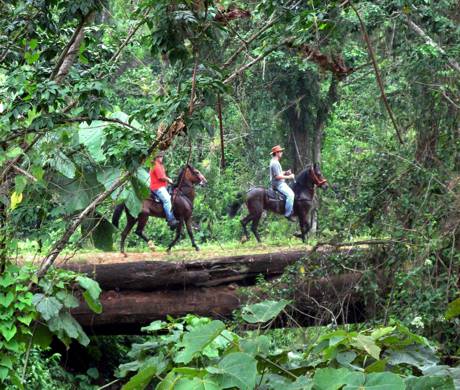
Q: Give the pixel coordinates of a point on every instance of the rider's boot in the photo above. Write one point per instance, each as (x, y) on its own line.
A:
(173, 223)
(291, 218)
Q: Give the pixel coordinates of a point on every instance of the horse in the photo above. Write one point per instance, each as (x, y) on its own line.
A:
(258, 199)
(182, 205)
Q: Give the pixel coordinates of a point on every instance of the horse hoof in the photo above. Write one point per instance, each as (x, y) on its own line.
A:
(244, 239)
(124, 254)
(197, 249)
(151, 246)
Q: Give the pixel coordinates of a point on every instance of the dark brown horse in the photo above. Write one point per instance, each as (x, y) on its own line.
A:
(182, 205)
(259, 199)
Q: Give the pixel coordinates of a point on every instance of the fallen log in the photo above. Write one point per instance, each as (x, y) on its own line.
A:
(155, 275)
(333, 299)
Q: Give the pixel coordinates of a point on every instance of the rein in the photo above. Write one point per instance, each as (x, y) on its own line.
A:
(319, 182)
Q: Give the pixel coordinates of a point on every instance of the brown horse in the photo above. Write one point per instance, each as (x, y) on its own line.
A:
(259, 199)
(182, 204)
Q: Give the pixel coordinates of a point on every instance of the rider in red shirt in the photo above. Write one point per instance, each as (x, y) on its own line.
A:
(158, 183)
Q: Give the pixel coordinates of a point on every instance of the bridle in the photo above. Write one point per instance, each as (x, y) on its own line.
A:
(316, 180)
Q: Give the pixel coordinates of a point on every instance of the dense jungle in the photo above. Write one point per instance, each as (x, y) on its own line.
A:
(364, 98)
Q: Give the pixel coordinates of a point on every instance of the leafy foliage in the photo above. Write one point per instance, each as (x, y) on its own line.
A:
(381, 358)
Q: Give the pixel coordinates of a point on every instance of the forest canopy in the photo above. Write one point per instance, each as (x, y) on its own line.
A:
(92, 90)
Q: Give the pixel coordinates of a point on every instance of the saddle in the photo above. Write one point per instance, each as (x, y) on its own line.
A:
(275, 196)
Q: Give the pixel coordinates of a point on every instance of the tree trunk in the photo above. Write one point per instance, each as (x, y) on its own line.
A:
(156, 275)
(335, 299)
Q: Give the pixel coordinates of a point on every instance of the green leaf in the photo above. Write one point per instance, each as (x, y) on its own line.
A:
(65, 326)
(301, 383)
(8, 331)
(67, 299)
(196, 384)
(197, 339)
(6, 361)
(48, 307)
(89, 285)
(333, 379)
(20, 183)
(62, 164)
(379, 381)
(141, 380)
(4, 373)
(453, 309)
(13, 152)
(6, 299)
(430, 383)
(94, 304)
(258, 346)
(367, 344)
(263, 311)
(236, 369)
(132, 202)
(169, 382)
(6, 280)
(414, 355)
(380, 332)
(154, 326)
(93, 137)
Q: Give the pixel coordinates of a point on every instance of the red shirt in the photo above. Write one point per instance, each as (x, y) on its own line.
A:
(157, 173)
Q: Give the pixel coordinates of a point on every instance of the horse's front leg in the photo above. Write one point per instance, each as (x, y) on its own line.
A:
(188, 224)
(178, 232)
(304, 226)
(141, 223)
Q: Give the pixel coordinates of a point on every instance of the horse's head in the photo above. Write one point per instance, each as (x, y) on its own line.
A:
(310, 177)
(194, 176)
(317, 177)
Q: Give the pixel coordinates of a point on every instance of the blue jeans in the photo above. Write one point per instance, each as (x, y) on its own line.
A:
(165, 198)
(286, 190)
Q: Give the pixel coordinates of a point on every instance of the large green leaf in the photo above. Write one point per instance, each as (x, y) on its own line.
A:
(141, 380)
(197, 339)
(453, 309)
(380, 381)
(65, 326)
(132, 202)
(236, 369)
(367, 343)
(93, 137)
(333, 379)
(61, 163)
(48, 307)
(430, 383)
(196, 384)
(89, 285)
(263, 311)
(414, 355)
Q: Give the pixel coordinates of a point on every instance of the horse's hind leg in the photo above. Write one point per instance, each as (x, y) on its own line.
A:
(178, 232)
(244, 222)
(188, 223)
(130, 222)
(141, 222)
(255, 225)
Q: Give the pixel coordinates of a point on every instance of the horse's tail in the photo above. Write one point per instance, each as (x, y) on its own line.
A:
(236, 204)
(117, 214)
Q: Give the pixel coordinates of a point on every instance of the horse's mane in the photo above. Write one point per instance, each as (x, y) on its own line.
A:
(304, 175)
(179, 177)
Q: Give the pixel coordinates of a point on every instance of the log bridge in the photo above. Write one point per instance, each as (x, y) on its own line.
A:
(139, 292)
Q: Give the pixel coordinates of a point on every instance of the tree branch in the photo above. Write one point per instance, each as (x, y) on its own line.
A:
(418, 30)
(255, 61)
(377, 72)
